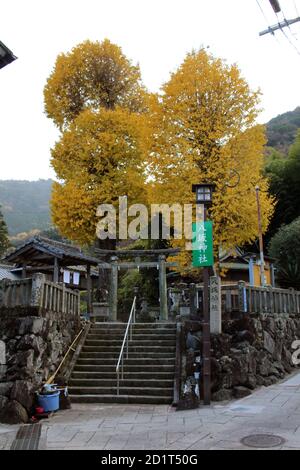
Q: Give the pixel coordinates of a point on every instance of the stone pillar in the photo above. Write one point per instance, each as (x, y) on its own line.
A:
(215, 306)
(56, 271)
(2, 353)
(38, 280)
(113, 291)
(2, 359)
(163, 295)
(242, 297)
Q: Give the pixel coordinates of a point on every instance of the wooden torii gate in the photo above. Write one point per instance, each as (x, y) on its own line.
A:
(115, 264)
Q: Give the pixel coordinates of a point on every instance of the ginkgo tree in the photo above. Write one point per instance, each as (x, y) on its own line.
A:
(204, 129)
(99, 158)
(92, 75)
(117, 139)
(95, 97)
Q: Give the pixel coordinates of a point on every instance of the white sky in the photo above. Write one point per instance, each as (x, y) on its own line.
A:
(156, 33)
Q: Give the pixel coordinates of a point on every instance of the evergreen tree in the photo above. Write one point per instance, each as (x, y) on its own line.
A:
(4, 241)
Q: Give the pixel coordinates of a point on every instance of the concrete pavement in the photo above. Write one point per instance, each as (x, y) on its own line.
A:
(273, 411)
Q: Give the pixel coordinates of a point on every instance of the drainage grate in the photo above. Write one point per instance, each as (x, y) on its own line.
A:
(28, 437)
(262, 441)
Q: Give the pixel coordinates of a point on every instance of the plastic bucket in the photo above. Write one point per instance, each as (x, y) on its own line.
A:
(49, 402)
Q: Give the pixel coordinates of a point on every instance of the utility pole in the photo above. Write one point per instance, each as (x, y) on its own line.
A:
(283, 24)
(280, 25)
(260, 236)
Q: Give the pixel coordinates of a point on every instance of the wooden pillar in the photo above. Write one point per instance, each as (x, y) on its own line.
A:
(24, 271)
(113, 292)
(163, 295)
(89, 289)
(56, 271)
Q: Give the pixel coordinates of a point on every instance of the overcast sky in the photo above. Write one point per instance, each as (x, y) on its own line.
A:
(155, 33)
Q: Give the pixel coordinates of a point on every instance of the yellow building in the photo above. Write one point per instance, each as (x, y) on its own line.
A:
(240, 266)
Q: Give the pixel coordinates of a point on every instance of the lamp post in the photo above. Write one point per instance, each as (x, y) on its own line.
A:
(6, 56)
(261, 243)
(204, 195)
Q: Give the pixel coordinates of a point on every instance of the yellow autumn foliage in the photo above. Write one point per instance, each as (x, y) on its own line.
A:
(93, 75)
(99, 158)
(204, 129)
(118, 140)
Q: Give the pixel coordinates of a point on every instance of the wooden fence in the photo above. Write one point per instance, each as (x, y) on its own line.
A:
(38, 292)
(15, 293)
(248, 299)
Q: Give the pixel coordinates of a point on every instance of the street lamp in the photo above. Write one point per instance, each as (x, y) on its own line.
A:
(204, 197)
(204, 193)
(6, 56)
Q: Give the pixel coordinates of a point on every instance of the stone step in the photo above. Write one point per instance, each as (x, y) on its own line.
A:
(128, 362)
(134, 342)
(136, 337)
(100, 367)
(115, 355)
(128, 382)
(144, 391)
(135, 326)
(132, 348)
(165, 375)
(122, 399)
(148, 371)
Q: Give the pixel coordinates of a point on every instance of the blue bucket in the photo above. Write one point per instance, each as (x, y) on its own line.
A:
(49, 402)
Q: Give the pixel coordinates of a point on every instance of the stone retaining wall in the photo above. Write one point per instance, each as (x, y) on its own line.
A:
(35, 342)
(253, 350)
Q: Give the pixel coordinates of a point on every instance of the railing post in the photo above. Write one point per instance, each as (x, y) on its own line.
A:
(2, 293)
(242, 297)
(163, 295)
(38, 281)
(271, 296)
(113, 294)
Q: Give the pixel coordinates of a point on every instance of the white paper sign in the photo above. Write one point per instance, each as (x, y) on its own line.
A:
(67, 277)
(76, 279)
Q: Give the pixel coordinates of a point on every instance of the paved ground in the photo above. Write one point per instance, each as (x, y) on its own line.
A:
(274, 410)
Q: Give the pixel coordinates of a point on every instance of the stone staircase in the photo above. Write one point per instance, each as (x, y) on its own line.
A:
(148, 372)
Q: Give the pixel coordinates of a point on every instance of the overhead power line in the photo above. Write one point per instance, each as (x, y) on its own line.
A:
(282, 24)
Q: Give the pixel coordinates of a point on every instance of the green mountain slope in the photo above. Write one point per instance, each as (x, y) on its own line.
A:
(25, 205)
(282, 130)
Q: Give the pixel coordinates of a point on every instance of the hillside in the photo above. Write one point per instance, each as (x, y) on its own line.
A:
(25, 205)
(281, 131)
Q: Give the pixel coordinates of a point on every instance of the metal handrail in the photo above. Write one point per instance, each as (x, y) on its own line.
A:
(120, 363)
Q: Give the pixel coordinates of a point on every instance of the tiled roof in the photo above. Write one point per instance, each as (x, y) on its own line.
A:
(65, 252)
(5, 273)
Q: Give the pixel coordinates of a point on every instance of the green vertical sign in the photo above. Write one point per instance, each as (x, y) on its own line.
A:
(202, 244)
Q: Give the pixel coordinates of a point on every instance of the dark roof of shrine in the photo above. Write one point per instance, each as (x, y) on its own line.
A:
(39, 251)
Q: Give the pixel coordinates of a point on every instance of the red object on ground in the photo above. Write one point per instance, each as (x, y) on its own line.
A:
(39, 410)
